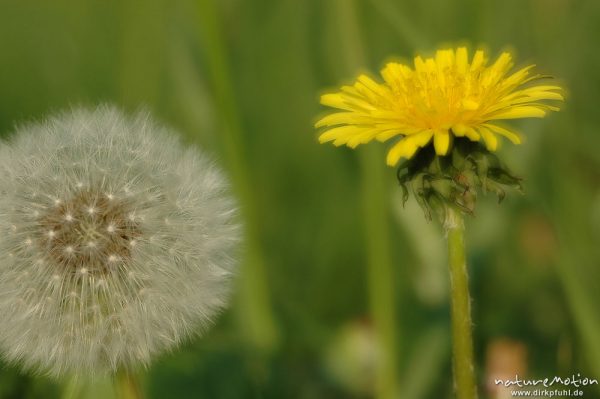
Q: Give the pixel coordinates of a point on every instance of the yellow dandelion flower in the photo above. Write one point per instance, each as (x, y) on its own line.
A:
(439, 99)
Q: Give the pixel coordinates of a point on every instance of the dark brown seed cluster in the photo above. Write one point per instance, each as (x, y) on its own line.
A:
(90, 232)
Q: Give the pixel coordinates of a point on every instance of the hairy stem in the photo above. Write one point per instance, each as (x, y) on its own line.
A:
(462, 339)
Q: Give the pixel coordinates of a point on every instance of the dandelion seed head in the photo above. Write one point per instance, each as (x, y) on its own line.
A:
(90, 284)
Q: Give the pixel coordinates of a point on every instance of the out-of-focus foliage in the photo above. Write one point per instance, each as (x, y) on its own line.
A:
(534, 259)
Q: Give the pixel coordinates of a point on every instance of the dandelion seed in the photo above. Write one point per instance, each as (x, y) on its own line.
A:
(79, 259)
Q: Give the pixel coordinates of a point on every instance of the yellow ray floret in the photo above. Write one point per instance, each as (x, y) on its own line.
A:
(436, 100)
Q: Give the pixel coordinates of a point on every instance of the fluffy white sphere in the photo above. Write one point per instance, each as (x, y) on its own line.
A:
(115, 242)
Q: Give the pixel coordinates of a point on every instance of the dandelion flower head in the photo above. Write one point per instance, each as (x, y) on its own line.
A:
(115, 242)
(439, 99)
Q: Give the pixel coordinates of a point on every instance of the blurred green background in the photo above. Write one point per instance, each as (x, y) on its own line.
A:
(339, 287)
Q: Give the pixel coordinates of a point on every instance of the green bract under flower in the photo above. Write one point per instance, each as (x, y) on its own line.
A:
(454, 180)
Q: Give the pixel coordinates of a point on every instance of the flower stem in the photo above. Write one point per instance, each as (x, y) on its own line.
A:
(255, 307)
(380, 273)
(382, 289)
(462, 340)
(72, 389)
(127, 386)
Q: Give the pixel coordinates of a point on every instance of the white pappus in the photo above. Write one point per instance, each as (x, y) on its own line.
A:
(116, 242)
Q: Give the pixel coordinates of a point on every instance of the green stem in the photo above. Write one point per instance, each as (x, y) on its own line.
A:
(127, 386)
(462, 339)
(255, 307)
(72, 389)
(382, 289)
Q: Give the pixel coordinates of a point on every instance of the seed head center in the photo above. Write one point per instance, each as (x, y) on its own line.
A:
(88, 231)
